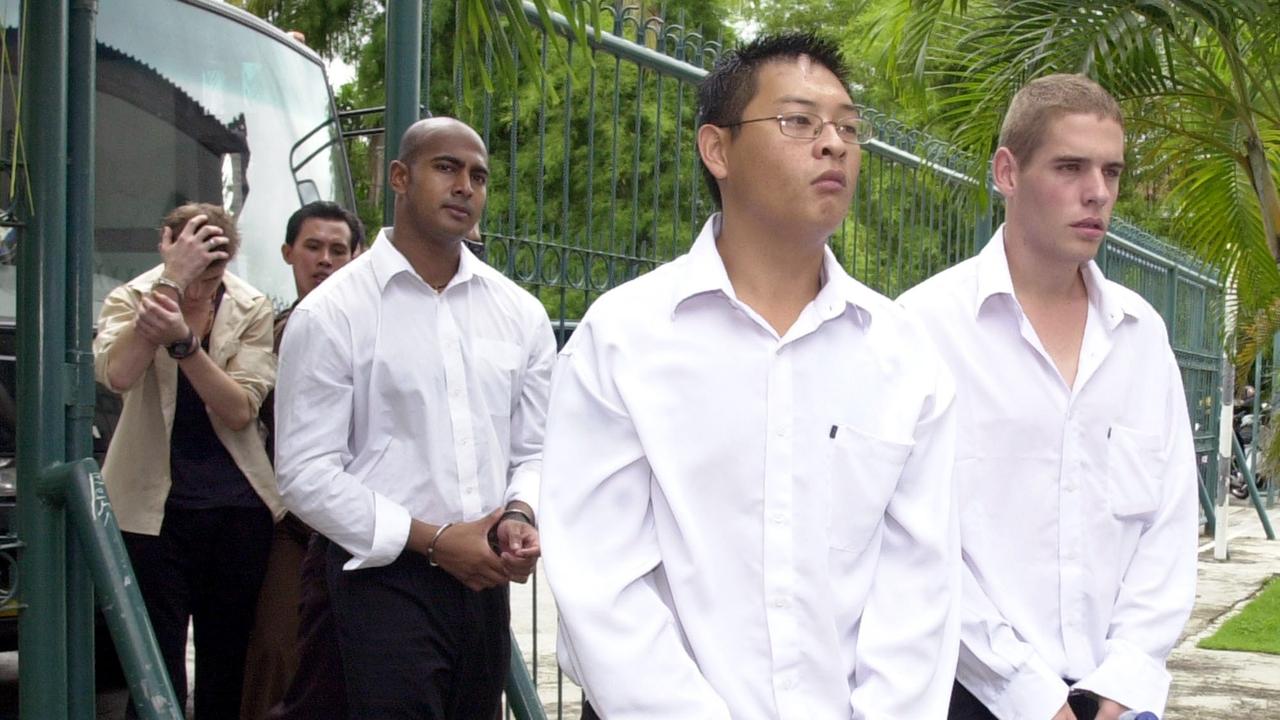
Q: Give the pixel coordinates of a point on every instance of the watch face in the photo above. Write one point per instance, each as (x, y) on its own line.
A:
(181, 349)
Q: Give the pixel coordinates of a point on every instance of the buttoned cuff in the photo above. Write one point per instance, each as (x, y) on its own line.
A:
(390, 535)
(1131, 677)
(524, 485)
(1033, 691)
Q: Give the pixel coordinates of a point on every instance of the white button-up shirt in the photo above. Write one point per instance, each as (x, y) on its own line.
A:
(398, 402)
(1077, 504)
(737, 524)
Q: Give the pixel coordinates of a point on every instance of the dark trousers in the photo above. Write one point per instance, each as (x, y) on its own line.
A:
(205, 567)
(588, 712)
(416, 643)
(964, 706)
(317, 689)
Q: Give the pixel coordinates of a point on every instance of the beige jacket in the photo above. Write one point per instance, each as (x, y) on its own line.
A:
(136, 470)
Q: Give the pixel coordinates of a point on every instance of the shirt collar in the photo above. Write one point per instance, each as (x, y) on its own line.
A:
(234, 289)
(994, 279)
(388, 261)
(703, 272)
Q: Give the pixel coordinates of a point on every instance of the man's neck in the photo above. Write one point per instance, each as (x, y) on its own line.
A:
(775, 273)
(434, 259)
(1052, 294)
(1044, 280)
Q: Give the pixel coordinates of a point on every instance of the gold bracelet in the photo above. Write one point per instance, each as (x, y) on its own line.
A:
(431, 549)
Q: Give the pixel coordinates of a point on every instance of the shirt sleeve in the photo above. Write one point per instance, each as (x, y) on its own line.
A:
(119, 310)
(619, 638)
(316, 469)
(528, 422)
(253, 365)
(1002, 670)
(908, 635)
(1158, 590)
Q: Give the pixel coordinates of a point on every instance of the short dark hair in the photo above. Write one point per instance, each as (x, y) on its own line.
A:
(324, 210)
(726, 90)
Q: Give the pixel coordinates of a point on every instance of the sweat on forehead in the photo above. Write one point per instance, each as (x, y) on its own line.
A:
(427, 131)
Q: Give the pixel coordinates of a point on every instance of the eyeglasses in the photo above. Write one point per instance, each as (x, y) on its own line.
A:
(807, 126)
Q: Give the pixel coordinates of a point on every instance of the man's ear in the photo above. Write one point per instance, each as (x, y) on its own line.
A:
(1004, 171)
(286, 252)
(712, 142)
(398, 177)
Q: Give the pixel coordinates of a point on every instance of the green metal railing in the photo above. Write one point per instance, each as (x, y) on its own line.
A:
(596, 180)
(73, 550)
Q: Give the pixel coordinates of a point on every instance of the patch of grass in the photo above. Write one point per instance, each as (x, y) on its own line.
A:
(1255, 629)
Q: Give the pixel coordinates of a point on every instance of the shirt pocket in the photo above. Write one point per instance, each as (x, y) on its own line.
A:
(497, 364)
(864, 472)
(1132, 458)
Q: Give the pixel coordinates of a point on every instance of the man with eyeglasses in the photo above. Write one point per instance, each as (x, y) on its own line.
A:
(747, 509)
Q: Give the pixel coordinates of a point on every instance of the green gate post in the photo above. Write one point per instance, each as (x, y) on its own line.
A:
(79, 337)
(1275, 363)
(42, 626)
(404, 85)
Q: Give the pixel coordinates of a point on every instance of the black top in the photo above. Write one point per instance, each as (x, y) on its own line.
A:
(204, 473)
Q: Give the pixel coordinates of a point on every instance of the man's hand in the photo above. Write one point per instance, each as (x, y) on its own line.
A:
(518, 547)
(188, 255)
(1109, 709)
(1065, 713)
(463, 552)
(160, 320)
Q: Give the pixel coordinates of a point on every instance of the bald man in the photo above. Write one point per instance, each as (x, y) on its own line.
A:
(409, 415)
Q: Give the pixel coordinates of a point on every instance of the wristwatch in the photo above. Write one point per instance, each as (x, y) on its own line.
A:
(163, 281)
(183, 349)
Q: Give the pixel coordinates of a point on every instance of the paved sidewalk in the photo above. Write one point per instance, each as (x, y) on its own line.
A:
(1219, 684)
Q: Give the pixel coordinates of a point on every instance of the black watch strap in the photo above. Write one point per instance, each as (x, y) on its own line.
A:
(515, 514)
(183, 349)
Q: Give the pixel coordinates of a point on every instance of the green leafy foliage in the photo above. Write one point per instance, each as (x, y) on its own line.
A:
(1197, 80)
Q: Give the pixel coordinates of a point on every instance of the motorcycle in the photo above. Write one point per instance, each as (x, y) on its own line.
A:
(1254, 434)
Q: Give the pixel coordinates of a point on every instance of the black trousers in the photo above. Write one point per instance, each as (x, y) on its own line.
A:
(417, 644)
(964, 706)
(317, 689)
(205, 567)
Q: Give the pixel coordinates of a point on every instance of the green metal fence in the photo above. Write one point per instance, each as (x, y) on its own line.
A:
(596, 180)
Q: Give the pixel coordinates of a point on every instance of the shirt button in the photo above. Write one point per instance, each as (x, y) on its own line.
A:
(779, 519)
(464, 442)
(780, 603)
(470, 491)
(781, 432)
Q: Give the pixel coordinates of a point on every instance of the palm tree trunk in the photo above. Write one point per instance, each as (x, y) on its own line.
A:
(1264, 184)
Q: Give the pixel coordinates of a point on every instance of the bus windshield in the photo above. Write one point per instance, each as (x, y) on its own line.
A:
(198, 103)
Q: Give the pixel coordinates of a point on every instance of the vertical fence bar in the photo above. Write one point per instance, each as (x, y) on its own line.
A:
(1275, 361)
(79, 337)
(42, 626)
(403, 82)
